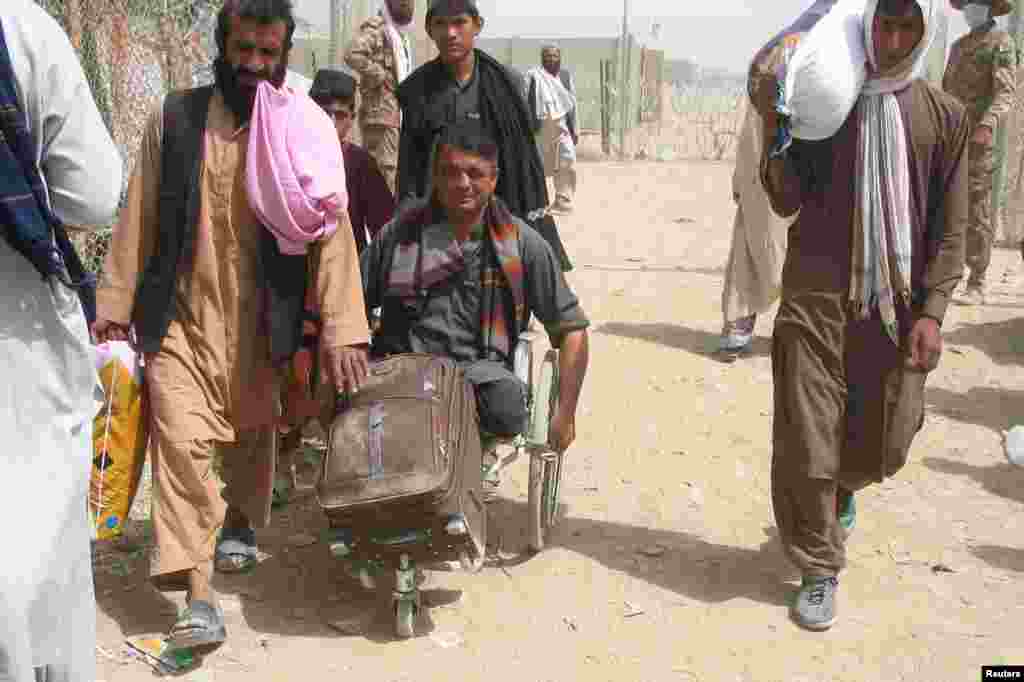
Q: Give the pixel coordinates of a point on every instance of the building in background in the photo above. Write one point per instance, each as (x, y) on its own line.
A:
(584, 57)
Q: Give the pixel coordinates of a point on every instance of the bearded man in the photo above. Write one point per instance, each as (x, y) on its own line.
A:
(553, 106)
(215, 302)
(871, 263)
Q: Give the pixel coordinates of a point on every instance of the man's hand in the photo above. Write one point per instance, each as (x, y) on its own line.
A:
(925, 345)
(1022, 249)
(982, 136)
(562, 433)
(106, 330)
(348, 367)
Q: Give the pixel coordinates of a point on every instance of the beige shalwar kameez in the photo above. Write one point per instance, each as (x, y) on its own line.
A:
(212, 388)
(753, 273)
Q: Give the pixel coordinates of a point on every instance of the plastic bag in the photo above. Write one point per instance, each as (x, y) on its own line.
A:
(818, 64)
(119, 439)
(1014, 445)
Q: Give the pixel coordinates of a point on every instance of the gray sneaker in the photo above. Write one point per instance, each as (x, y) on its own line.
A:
(737, 335)
(815, 607)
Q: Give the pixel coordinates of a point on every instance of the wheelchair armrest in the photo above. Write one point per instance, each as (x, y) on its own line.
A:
(524, 357)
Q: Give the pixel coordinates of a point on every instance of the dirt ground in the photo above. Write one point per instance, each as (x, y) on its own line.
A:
(667, 566)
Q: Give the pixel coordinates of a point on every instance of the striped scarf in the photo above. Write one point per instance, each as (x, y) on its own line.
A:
(416, 267)
(29, 226)
(882, 247)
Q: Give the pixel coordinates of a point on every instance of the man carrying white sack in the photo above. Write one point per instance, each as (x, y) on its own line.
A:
(552, 99)
(872, 260)
(236, 206)
(57, 164)
(753, 273)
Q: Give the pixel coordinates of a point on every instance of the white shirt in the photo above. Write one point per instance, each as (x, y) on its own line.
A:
(48, 398)
(80, 163)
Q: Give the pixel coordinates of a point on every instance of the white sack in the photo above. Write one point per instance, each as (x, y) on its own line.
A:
(826, 73)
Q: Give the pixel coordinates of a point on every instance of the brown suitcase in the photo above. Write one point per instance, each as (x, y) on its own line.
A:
(404, 453)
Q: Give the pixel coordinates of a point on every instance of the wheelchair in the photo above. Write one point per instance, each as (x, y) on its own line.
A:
(373, 553)
(542, 386)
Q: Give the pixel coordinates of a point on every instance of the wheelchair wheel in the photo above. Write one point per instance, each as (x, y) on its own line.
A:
(545, 397)
(405, 618)
(542, 469)
(535, 505)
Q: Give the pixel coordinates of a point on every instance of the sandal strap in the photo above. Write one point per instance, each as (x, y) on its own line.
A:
(246, 536)
(198, 615)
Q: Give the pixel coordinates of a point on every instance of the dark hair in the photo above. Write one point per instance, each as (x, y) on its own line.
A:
(898, 8)
(449, 8)
(469, 136)
(346, 101)
(261, 11)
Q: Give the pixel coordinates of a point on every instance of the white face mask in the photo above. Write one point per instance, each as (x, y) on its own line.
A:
(976, 14)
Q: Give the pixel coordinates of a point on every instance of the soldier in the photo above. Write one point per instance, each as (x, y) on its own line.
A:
(981, 75)
(381, 55)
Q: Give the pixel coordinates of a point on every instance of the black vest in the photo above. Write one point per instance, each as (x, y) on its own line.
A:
(181, 166)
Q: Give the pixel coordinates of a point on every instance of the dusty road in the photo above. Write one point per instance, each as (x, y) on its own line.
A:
(666, 567)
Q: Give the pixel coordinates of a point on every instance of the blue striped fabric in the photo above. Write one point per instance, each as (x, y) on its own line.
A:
(29, 225)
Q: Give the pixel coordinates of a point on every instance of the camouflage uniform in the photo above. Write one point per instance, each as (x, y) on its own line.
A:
(981, 74)
(371, 56)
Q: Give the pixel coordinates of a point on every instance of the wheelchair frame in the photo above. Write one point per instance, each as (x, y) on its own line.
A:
(544, 483)
(545, 465)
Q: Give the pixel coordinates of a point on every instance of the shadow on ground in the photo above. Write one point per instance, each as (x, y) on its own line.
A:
(1001, 341)
(302, 591)
(1002, 479)
(1006, 558)
(998, 409)
(696, 341)
(604, 267)
(687, 564)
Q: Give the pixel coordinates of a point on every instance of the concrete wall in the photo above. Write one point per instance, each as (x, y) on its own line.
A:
(583, 57)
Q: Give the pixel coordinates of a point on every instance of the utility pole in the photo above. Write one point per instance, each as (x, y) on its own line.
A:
(624, 79)
(334, 47)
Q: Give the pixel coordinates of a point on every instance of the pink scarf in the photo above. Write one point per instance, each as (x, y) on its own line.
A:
(294, 175)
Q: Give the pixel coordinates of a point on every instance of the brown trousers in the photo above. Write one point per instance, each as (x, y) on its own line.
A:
(189, 506)
(846, 413)
(382, 144)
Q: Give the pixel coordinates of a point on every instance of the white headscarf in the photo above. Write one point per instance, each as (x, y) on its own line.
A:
(882, 208)
(399, 42)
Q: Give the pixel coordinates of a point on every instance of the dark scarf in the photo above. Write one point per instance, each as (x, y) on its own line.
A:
(29, 225)
(503, 113)
(414, 270)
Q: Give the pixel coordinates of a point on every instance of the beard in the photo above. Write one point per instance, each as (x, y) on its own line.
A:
(400, 18)
(238, 97)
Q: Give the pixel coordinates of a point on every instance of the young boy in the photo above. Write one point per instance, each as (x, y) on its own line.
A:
(370, 201)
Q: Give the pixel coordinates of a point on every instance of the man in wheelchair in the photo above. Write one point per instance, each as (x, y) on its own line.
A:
(457, 275)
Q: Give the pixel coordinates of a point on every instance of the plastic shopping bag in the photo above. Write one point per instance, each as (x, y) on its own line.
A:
(119, 438)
